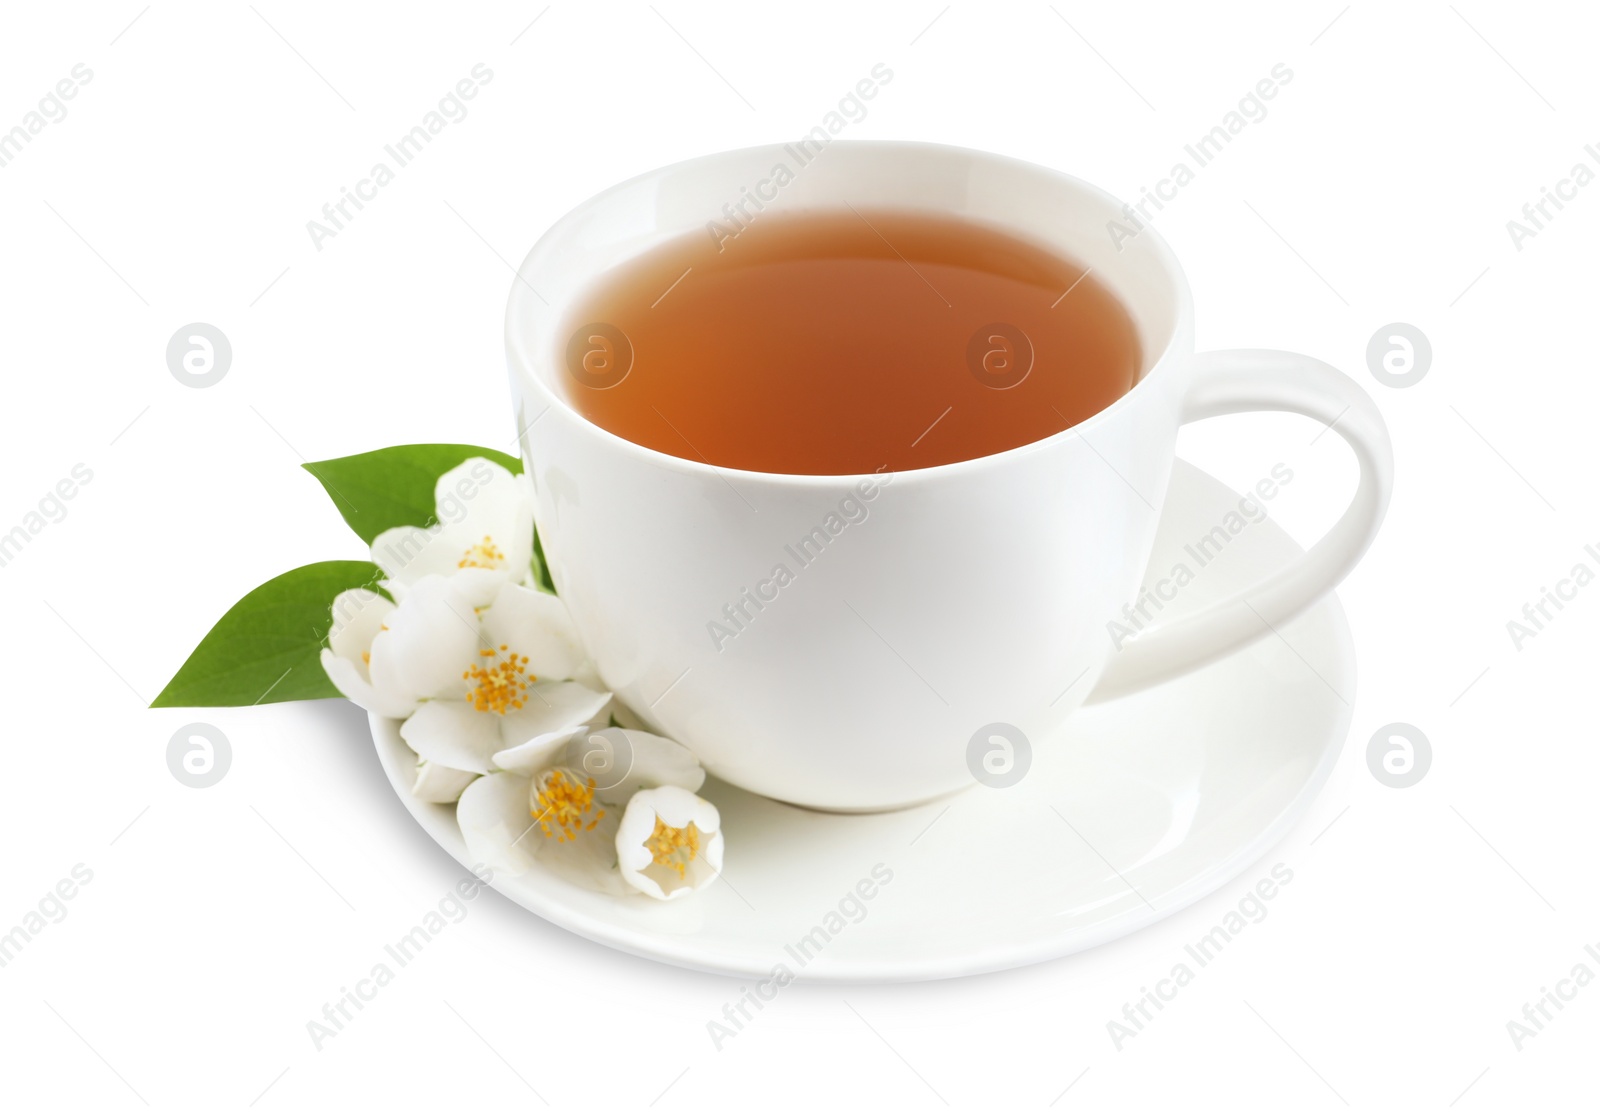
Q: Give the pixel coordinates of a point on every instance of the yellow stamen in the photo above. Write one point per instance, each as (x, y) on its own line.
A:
(674, 847)
(561, 800)
(500, 687)
(485, 554)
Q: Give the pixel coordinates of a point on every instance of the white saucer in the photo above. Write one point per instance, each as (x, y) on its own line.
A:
(1143, 806)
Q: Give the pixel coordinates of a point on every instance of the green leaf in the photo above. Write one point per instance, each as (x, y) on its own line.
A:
(390, 487)
(541, 567)
(266, 649)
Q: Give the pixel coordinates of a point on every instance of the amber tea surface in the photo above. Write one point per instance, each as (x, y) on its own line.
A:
(839, 343)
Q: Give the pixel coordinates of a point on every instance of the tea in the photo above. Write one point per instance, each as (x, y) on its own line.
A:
(846, 342)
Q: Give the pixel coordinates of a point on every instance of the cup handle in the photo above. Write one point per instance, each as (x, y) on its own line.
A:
(1243, 381)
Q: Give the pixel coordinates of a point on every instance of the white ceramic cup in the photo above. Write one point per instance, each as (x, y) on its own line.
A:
(949, 618)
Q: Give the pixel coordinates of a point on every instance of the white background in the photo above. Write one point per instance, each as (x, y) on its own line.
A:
(177, 189)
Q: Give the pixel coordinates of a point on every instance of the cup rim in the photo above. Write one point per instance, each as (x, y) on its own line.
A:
(1163, 366)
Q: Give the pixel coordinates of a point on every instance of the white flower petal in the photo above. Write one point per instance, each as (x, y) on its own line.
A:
(432, 638)
(657, 761)
(536, 625)
(352, 682)
(591, 862)
(601, 719)
(479, 586)
(479, 499)
(536, 754)
(473, 501)
(583, 852)
(587, 675)
(550, 706)
(496, 823)
(622, 762)
(518, 542)
(439, 784)
(476, 503)
(625, 716)
(453, 734)
(408, 553)
(358, 615)
(675, 807)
